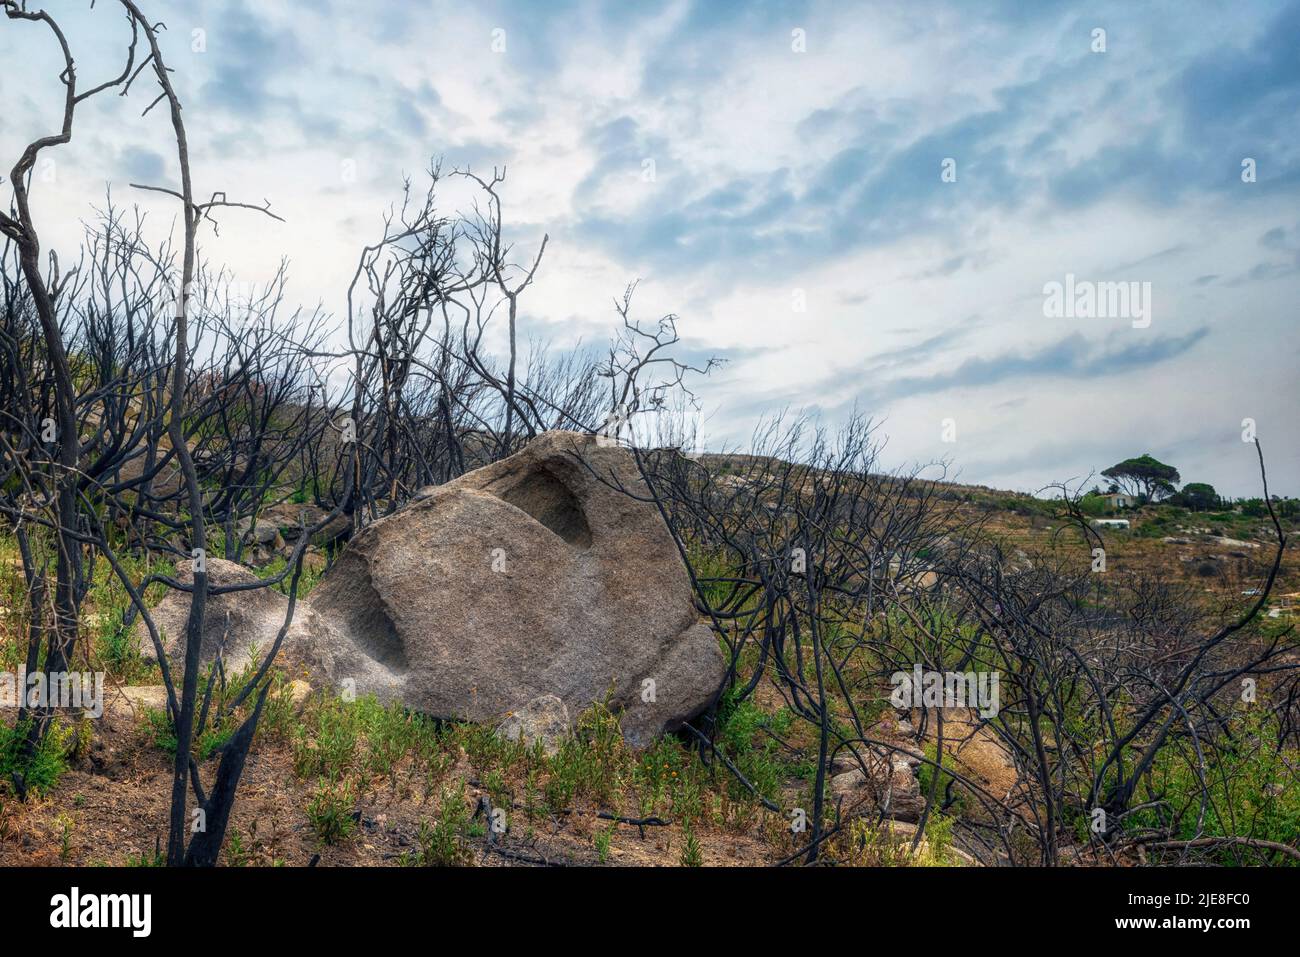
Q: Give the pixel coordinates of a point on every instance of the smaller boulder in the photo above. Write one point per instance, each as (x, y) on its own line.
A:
(263, 533)
(242, 624)
(545, 718)
(888, 783)
(290, 518)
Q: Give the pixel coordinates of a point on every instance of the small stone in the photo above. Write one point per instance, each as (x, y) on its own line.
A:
(544, 719)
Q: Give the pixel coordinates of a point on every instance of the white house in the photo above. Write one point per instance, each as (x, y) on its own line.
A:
(1119, 500)
(1110, 523)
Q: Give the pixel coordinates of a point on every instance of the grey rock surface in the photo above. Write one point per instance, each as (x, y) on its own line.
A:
(526, 578)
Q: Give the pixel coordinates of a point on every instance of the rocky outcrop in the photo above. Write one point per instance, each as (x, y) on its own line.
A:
(882, 779)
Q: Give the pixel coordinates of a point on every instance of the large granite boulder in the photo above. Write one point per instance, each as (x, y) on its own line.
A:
(534, 576)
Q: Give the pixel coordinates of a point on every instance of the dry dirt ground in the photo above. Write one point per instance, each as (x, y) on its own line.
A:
(110, 808)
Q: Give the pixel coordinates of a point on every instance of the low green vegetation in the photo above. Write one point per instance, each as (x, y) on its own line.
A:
(41, 772)
(222, 721)
(443, 841)
(330, 811)
(1250, 786)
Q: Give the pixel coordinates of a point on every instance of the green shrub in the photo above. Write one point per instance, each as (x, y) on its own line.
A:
(1248, 786)
(1093, 506)
(42, 771)
(443, 843)
(757, 755)
(326, 745)
(692, 855)
(331, 811)
(925, 773)
(162, 732)
(155, 858)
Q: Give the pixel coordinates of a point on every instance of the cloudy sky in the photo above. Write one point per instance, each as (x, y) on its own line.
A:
(774, 173)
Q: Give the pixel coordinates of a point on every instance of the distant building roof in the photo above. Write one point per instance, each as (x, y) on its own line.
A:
(1110, 523)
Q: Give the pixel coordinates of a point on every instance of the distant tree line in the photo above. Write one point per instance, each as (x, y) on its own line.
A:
(1148, 480)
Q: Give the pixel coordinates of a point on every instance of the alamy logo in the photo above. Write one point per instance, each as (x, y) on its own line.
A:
(83, 690)
(1085, 299)
(946, 689)
(103, 910)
